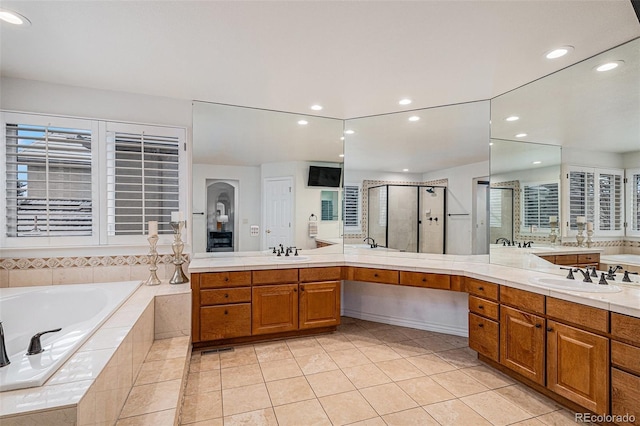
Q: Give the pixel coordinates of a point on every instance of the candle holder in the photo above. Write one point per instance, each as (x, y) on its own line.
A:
(177, 246)
(553, 235)
(589, 240)
(153, 262)
(580, 235)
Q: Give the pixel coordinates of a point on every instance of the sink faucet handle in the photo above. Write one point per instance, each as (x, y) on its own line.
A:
(274, 249)
(35, 347)
(296, 253)
(594, 273)
(603, 281)
(570, 274)
(626, 277)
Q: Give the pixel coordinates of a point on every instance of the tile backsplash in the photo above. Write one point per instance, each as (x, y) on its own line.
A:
(22, 272)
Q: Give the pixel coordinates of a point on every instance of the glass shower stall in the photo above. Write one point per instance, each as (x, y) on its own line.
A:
(408, 218)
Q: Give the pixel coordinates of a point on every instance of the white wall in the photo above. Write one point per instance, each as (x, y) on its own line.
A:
(460, 200)
(631, 160)
(601, 159)
(248, 196)
(541, 174)
(357, 176)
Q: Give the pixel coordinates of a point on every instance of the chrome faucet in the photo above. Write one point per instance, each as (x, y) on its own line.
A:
(373, 243)
(611, 273)
(4, 359)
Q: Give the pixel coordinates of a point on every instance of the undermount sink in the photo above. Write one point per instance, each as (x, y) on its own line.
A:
(574, 285)
(289, 258)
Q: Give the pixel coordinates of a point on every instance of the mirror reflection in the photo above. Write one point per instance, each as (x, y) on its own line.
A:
(263, 178)
(592, 111)
(413, 176)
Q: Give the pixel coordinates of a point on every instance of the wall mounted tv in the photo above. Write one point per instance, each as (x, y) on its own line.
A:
(324, 176)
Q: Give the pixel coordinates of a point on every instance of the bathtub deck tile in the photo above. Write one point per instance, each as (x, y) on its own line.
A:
(109, 338)
(43, 398)
(175, 347)
(153, 397)
(82, 366)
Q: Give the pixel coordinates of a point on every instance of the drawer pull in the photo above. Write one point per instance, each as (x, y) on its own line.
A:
(480, 307)
(481, 288)
(538, 325)
(226, 278)
(226, 296)
(480, 325)
(375, 275)
(301, 288)
(549, 329)
(295, 290)
(226, 312)
(424, 280)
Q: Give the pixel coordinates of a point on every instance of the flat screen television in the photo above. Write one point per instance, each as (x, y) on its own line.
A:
(324, 176)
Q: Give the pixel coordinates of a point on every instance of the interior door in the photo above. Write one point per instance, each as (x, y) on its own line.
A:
(278, 202)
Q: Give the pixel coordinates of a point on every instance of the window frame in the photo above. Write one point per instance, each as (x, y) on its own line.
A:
(99, 235)
(540, 230)
(628, 200)
(568, 232)
(358, 228)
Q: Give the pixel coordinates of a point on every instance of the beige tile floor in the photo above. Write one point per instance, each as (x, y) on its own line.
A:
(364, 374)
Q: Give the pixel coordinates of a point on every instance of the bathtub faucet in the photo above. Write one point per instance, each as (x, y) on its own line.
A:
(35, 347)
(4, 359)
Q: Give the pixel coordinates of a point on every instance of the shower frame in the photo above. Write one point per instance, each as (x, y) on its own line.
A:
(444, 208)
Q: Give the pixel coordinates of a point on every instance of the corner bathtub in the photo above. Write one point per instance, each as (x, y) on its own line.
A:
(78, 309)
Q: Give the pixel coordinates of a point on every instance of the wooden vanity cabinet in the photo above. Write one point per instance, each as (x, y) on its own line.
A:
(579, 260)
(625, 366)
(484, 328)
(425, 280)
(274, 308)
(522, 343)
(319, 304)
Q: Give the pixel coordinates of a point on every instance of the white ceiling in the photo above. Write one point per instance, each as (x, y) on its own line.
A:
(356, 58)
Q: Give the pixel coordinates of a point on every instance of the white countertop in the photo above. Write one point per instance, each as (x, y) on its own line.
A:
(510, 266)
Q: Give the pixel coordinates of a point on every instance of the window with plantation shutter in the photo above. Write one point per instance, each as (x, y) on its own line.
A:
(351, 206)
(495, 207)
(596, 194)
(48, 177)
(539, 202)
(142, 180)
(633, 201)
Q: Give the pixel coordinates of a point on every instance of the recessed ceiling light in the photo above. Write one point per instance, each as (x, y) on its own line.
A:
(414, 118)
(349, 132)
(405, 170)
(537, 162)
(609, 66)
(341, 155)
(405, 101)
(316, 107)
(13, 17)
(559, 52)
(490, 143)
(521, 135)
(303, 122)
(341, 138)
(512, 118)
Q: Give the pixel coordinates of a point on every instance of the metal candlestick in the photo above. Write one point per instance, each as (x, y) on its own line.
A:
(589, 240)
(177, 246)
(153, 262)
(580, 235)
(553, 236)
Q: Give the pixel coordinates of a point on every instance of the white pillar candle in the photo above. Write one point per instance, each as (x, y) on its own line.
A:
(553, 219)
(153, 228)
(177, 217)
(590, 226)
(581, 219)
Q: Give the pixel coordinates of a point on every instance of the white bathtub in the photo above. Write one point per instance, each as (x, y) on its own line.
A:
(78, 309)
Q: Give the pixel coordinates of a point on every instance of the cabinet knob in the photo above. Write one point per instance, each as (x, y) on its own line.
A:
(226, 278)
(226, 312)
(226, 296)
(480, 325)
(424, 280)
(549, 329)
(301, 288)
(295, 290)
(480, 307)
(538, 325)
(375, 275)
(480, 288)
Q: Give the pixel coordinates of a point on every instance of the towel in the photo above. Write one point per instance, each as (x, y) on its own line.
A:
(313, 228)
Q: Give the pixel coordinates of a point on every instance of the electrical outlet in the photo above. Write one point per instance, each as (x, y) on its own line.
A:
(255, 230)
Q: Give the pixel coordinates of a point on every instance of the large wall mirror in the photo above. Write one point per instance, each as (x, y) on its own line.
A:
(578, 129)
(261, 178)
(410, 180)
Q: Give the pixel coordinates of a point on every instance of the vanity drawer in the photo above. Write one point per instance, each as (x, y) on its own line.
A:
(575, 313)
(225, 279)
(625, 356)
(275, 276)
(522, 299)
(371, 275)
(421, 279)
(482, 288)
(333, 273)
(589, 258)
(484, 336)
(225, 295)
(225, 321)
(566, 259)
(625, 327)
(484, 307)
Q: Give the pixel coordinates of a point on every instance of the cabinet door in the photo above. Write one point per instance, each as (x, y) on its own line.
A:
(578, 366)
(319, 304)
(225, 321)
(522, 343)
(274, 308)
(625, 394)
(484, 336)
